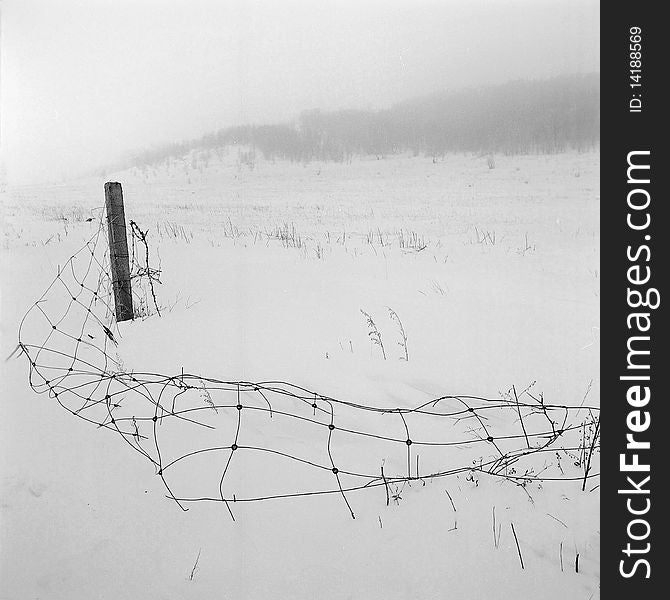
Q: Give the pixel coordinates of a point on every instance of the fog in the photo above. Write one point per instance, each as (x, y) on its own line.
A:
(84, 82)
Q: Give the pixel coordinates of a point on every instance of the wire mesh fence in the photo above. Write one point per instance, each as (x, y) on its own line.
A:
(227, 441)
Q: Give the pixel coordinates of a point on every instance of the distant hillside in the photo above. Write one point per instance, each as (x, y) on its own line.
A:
(514, 118)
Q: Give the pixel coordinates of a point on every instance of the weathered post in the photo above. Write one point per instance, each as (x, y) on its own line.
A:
(118, 251)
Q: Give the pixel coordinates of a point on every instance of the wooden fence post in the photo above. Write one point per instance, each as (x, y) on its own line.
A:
(118, 251)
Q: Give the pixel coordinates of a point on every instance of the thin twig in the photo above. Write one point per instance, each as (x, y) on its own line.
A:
(452, 500)
(195, 565)
(587, 464)
(518, 408)
(518, 549)
(386, 487)
(555, 519)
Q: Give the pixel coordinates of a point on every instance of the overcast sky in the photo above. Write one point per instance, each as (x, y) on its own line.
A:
(83, 81)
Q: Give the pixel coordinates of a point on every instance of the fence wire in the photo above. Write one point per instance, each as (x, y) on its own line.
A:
(213, 440)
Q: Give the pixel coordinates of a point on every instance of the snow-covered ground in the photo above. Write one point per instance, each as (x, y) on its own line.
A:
(494, 275)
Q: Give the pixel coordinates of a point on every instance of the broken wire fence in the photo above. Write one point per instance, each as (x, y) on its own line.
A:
(227, 441)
